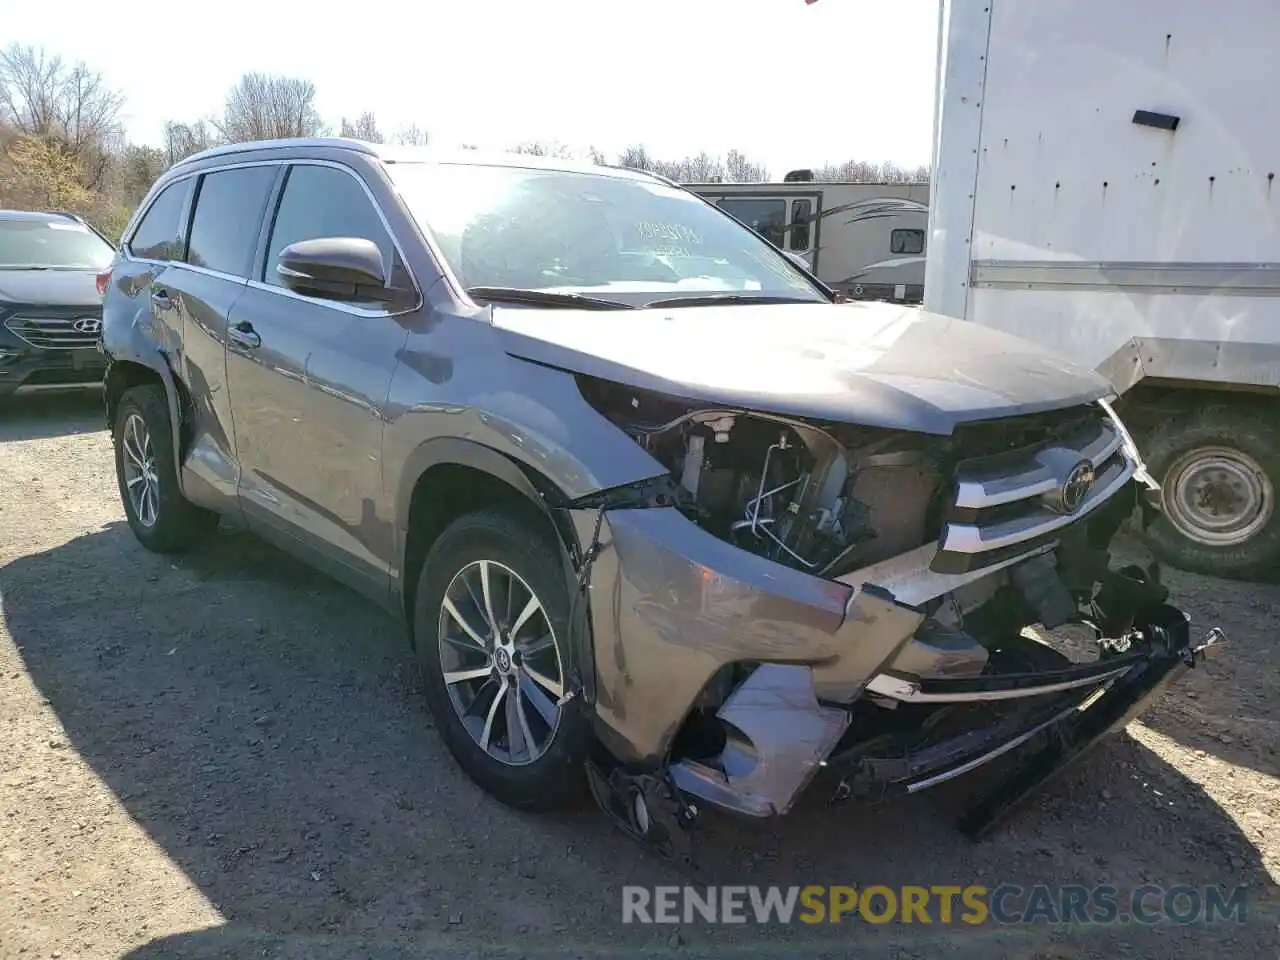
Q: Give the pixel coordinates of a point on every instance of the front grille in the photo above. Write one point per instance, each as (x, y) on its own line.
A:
(1012, 500)
(55, 328)
(985, 438)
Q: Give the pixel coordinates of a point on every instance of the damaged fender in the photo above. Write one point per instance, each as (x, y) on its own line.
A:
(141, 349)
(671, 605)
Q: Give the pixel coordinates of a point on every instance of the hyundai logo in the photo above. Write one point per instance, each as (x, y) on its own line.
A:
(87, 325)
(1076, 487)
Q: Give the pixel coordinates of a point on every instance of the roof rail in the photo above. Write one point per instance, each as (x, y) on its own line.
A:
(227, 149)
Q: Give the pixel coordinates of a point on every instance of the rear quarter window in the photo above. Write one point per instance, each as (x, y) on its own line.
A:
(159, 235)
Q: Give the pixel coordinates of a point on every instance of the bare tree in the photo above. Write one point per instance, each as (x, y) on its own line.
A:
(265, 106)
(138, 169)
(703, 168)
(597, 157)
(411, 136)
(42, 96)
(365, 128)
(862, 171)
(636, 157)
(543, 148)
(739, 169)
(181, 140)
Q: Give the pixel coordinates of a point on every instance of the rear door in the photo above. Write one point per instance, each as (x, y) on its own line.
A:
(137, 292)
(228, 209)
(177, 289)
(309, 378)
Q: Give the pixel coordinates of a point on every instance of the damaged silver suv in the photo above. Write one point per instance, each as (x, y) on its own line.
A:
(655, 506)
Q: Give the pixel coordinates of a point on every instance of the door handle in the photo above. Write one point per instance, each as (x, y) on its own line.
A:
(162, 299)
(244, 335)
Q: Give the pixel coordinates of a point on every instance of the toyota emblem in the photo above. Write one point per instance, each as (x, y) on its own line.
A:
(87, 325)
(1076, 487)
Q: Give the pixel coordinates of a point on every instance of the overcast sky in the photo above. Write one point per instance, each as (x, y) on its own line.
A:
(789, 83)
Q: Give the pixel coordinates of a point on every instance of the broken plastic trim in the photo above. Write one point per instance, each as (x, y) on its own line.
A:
(660, 491)
(652, 492)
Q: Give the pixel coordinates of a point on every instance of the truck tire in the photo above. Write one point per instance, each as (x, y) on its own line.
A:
(1219, 469)
(161, 518)
(496, 574)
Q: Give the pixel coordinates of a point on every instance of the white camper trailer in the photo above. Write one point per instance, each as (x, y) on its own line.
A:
(1104, 184)
(865, 240)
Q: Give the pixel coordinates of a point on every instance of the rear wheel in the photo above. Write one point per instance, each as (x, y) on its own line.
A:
(491, 628)
(1218, 469)
(159, 516)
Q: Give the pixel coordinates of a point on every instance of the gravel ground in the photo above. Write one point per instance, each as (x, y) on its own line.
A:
(229, 756)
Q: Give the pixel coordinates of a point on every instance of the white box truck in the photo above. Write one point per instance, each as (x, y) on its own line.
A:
(1104, 184)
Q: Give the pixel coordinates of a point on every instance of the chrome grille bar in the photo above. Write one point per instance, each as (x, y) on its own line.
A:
(55, 333)
(1019, 498)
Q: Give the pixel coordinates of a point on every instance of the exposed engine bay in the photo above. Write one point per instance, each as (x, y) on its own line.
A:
(925, 671)
(821, 498)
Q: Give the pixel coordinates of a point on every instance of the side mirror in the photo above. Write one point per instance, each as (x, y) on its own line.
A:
(339, 268)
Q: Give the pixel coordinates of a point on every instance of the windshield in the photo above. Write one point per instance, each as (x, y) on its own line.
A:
(52, 244)
(627, 239)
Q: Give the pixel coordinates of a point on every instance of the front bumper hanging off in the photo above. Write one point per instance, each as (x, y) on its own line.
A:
(1054, 733)
(671, 607)
(661, 810)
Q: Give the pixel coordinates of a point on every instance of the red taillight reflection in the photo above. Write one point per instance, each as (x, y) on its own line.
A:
(104, 282)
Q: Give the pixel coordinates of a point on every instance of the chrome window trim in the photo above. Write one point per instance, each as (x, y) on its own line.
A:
(260, 285)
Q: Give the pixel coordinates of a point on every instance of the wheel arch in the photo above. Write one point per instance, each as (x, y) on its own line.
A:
(447, 477)
(1163, 414)
(126, 373)
(1153, 399)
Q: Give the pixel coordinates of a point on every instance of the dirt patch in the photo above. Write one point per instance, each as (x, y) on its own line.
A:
(228, 756)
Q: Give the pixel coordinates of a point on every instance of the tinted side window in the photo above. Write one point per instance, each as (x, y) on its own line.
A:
(159, 234)
(766, 217)
(228, 215)
(325, 202)
(906, 241)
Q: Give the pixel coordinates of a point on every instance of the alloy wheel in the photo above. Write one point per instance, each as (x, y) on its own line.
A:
(141, 480)
(500, 662)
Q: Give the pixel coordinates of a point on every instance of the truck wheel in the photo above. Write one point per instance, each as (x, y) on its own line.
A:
(160, 517)
(491, 629)
(1218, 470)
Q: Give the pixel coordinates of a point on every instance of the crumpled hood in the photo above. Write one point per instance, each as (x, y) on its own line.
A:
(63, 288)
(873, 364)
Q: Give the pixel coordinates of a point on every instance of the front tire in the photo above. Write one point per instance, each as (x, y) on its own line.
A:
(491, 629)
(1218, 469)
(160, 517)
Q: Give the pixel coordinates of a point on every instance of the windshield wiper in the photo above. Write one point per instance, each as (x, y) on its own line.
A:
(546, 298)
(718, 299)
